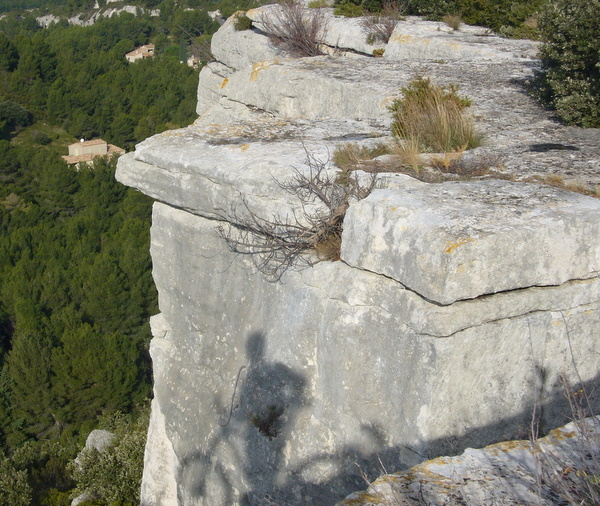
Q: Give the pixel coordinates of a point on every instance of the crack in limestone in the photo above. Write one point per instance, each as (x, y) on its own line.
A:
(479, 311)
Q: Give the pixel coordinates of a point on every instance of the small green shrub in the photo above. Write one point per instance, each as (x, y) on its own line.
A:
(40, 138)
(570, 81)
(433, 118)
(378, 53)
(242, 22)
(317, 4)
(503, 16)
(348, 9)
(14, 488)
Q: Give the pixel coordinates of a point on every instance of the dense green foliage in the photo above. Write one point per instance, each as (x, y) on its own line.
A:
(12, 117)
(78, 77)
(75, 292)
(75, 275)
(570, 55)
(113, 475)
(504, 16)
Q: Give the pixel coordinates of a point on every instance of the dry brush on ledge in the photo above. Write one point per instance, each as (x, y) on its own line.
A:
(312, 233)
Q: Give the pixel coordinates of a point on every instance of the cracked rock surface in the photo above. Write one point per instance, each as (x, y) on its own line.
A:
(455, 309)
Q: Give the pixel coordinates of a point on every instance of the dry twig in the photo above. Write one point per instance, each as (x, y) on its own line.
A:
(277, 243)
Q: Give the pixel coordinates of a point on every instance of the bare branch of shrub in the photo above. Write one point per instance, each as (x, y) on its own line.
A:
(277, 243)
(297, 30)
(199, 46)
(381, 25)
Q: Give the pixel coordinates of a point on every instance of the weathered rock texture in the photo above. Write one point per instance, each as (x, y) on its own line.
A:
(455, 309)
(544, 472)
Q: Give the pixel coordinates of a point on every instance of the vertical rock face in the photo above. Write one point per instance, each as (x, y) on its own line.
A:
(455, 309)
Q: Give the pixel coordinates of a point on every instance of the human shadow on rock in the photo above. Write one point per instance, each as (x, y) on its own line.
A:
(268, 399)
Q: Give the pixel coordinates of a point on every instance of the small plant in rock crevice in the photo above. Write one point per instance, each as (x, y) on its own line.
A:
(453, 21)
(242, 22)
(312, 234)
(269, 421)
(382, 24)
(434, 118)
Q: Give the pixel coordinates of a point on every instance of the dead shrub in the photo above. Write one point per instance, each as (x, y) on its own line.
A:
(299, 31)
(433, 118)
(277, 243)
(575, 482)
(381, 25)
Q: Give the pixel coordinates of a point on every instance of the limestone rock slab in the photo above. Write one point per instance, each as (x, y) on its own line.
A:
(461, 240)
(506, 473)
(317, 87)
(416, 38)
(240, 49)
(337, 348)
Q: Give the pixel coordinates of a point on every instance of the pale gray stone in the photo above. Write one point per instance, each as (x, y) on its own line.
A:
(416, 38)
(99, 439)
(337, 338)
(83, 498)
(241, 49)
(274, 392)
(458, 240)
(160, 462)
(502, 474)
(213, 77)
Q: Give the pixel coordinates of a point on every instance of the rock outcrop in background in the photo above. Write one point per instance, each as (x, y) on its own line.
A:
(455, 309)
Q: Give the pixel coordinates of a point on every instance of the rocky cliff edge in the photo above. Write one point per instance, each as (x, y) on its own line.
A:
(456, 307)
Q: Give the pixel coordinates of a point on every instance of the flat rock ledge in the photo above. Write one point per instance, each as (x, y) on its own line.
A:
(508, 473)
(461, 240)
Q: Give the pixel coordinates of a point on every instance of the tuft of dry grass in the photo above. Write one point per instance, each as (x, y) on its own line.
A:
(329, 247)
(351, 156)
(434, 118)
(453, 21)
(469, 167)
(408, 150)
(558, 181)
